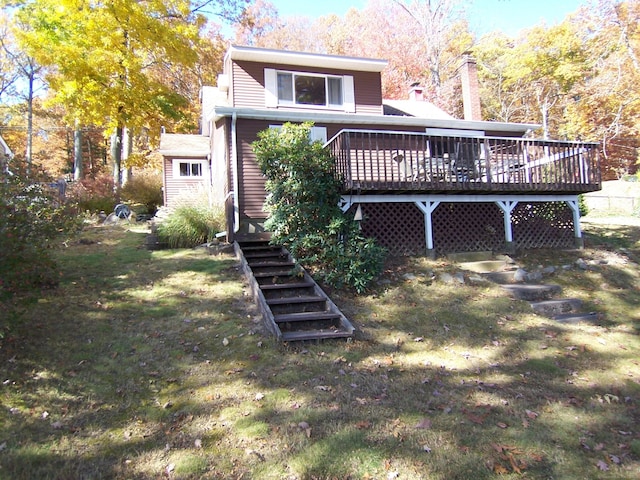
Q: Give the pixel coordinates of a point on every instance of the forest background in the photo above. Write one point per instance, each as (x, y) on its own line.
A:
(87, 87)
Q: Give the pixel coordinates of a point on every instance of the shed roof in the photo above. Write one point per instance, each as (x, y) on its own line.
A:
(184, 145)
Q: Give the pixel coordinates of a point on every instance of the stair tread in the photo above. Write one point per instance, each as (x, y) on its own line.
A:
(301, 335)
(273, 254)
(305, 316)
(256, 248)
(272, 274)
(271, 264)
(301, 299)
(280, 286)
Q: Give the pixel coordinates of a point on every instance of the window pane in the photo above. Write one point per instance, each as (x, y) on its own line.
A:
(184, 169)
(335, 91)
(285, 87)
(196, 169)
(310, 90)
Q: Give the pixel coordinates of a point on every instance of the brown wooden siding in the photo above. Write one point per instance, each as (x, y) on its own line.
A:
(248, 86)
(252, 193)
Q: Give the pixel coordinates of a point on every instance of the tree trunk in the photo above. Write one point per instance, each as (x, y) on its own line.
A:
(77, 153)
(116, 155)
(28, 153)
(127, 148)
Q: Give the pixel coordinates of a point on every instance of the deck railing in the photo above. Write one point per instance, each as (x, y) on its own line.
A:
(386, 161)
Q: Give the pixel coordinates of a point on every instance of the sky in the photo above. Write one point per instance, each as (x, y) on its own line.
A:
(509, 16)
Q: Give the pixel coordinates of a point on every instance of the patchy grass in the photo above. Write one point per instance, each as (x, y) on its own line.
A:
(149, 365)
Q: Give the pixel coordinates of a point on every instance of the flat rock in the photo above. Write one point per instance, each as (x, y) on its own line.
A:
(485, 266)
(572, 318)
(552, 308)
(532, 292)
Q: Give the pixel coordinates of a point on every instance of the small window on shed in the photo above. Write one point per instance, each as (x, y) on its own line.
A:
(188, 168)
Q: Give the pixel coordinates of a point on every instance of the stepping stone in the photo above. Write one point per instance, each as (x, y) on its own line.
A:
(573, 318)
(551, 308)
(486, 266)
(532, 292)
(462, 257)
(501, 277)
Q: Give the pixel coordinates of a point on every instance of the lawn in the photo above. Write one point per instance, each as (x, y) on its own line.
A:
(147, 365)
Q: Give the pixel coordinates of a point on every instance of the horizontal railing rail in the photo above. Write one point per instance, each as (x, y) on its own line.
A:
(376, 160)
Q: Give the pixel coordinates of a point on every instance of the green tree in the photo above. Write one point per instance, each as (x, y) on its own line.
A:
(303, 204)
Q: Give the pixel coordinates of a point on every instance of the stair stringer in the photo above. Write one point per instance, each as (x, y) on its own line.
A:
(266, 312)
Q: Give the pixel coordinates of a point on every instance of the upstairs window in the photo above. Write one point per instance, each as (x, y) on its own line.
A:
(301, 89)
(305, 90)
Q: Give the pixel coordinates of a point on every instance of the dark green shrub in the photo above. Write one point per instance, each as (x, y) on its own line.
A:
(93, 195)
(582, 206)
(304, 212)
(144, 188)
(188, 226)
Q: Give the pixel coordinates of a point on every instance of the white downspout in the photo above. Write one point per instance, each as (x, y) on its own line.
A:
(236, 181)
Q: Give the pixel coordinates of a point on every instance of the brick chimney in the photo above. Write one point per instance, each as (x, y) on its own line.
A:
(416, 93)
(470, 88)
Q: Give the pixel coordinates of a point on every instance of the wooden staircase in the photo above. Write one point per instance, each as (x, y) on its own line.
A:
(293, 306)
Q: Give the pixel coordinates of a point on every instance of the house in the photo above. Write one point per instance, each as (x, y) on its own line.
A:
(5, 156)
(424, 181)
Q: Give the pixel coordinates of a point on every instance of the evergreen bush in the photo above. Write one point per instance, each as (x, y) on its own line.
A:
(304, 214)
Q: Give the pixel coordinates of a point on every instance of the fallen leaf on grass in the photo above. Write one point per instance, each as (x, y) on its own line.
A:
(502, 425)
(531, 414)
(499, 469)
(473, 417)
(602, 466)
(363, 425)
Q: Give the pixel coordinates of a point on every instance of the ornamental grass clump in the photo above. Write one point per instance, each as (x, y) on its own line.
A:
(304, 213)
(196, 220)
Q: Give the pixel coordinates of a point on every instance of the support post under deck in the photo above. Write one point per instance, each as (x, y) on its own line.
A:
(427, 208)
(577, 232)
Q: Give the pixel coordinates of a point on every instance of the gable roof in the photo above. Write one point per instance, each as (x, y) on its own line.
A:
(184, 145)
(304, 59)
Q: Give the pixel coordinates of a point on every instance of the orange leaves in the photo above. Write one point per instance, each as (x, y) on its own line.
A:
(508, 459)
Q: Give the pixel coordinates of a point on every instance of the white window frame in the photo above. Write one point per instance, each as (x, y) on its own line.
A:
(190, 161)
(317, 134)
(272, 99)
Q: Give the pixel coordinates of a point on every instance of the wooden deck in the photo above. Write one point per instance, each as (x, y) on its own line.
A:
(371, 161)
